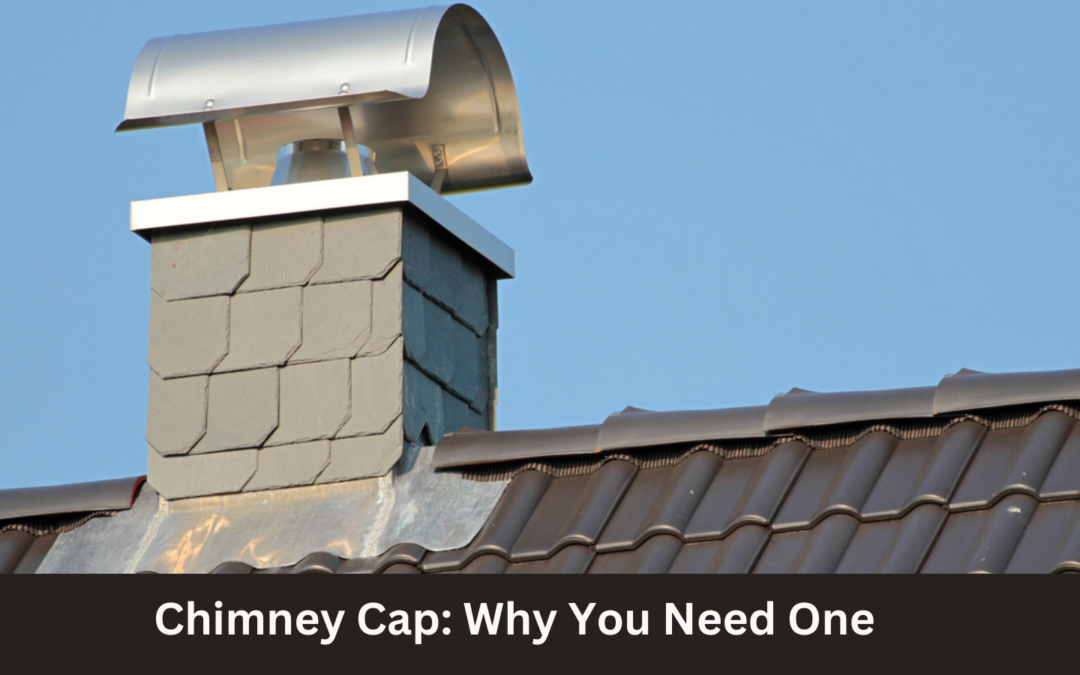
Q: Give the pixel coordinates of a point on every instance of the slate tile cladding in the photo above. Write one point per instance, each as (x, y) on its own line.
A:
(997, 495)
(292, 351)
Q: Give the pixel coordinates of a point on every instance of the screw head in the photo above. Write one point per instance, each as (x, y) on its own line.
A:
(209, 103)
(344, 88)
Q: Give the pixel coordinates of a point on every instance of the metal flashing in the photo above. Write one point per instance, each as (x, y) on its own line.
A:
(282, 528)
(512, 513)
(106, 495)
(319, 196)
(972, 390)
(800, 409)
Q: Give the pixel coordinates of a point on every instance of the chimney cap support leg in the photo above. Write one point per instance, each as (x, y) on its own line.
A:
(438, 156)
(356, 168)
(213, 145)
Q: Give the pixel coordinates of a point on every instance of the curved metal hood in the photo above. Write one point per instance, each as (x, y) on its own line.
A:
(427, 91)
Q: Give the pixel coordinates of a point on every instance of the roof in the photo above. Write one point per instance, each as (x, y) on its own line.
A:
(978, 474)
(31, 519)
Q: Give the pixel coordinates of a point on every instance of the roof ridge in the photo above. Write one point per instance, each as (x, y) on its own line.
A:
(568, 451)
(105, 495)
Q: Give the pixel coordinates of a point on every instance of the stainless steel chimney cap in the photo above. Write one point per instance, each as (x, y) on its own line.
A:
(427, 91)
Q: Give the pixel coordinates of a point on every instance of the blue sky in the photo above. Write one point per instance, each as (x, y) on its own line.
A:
(730, 199)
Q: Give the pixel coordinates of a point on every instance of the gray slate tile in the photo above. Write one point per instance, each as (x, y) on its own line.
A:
(423, 405)
(286, 466)
(336, 321)
(176, 413)
(470, 375)
(377, 392)
(472, 305)
(386, 312)
(416, 251)
(264, 329)
(438, 359)
(284, 253)
(242, 410)
(201, 475)
(197, 263)
(364, 456)
(412, 323)
(359, 245)
(187, 337)
(314, 401)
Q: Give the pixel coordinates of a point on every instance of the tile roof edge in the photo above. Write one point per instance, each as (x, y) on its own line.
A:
(962, 392)
(800, 409)
(634, 428)
(972, 390)
(469, 447)
(106, 495)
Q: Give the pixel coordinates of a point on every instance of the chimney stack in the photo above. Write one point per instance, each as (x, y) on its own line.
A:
(307, 328)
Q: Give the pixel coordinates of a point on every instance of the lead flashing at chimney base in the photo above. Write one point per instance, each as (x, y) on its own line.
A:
(312, 348)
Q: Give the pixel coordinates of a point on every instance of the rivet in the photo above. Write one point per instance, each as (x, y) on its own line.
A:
(344, 88)
(209, 103)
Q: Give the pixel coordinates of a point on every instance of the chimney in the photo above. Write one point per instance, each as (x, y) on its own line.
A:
(326, 308)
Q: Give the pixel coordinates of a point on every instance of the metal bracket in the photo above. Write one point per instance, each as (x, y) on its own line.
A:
(356, 168)
(438, 154)
(213, 145)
